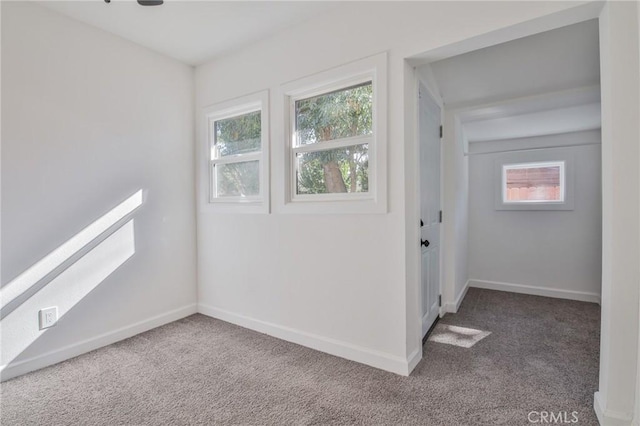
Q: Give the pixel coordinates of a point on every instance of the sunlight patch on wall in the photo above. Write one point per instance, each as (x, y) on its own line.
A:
(20, 328)
(63, 253)
(64, 277)
(457, 336)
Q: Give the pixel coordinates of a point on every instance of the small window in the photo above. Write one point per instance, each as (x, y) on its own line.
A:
(238, 154)
(533, 183)
(336, 140)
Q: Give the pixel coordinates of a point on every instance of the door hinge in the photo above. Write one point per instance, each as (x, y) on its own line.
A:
(440, 217)
(440, 300)
(441, 132)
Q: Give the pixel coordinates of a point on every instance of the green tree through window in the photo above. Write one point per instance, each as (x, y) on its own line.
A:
(235, 136)
(344, 113)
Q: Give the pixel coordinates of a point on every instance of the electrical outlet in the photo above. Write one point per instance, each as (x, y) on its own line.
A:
(48, 317)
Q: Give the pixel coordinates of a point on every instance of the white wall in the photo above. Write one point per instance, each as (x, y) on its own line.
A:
(355, 301)
(636, 416)
(455, 213)
(89, 119)
(552, 253)
(90, 94)
(620, 71)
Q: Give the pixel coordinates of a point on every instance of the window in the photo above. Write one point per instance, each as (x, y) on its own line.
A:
(541, 180)
(533, 182)
(237, 154)
(336, 140)
(332, 136)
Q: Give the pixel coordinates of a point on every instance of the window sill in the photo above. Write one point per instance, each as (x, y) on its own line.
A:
(567, 205)
(235, 207)
(344, 206)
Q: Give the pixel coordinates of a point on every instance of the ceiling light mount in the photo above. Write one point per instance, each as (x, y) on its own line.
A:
(145, 2)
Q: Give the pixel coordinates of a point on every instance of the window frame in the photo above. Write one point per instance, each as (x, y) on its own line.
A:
(374, 70)
(534, 165)
(327, 145)
(230, 109)
(543, 157)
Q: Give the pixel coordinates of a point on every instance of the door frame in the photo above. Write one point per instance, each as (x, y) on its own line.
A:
(452, 138)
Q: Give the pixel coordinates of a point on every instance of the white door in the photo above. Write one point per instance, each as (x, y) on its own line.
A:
(429, 131)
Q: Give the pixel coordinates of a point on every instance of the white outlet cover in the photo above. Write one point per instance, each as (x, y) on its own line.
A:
(48, 317)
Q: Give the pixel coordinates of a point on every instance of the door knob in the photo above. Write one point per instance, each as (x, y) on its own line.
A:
(425, 243)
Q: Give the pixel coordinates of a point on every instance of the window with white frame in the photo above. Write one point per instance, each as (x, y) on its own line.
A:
(237, 154)
(332, 135)
(336, 142)
(542, 182)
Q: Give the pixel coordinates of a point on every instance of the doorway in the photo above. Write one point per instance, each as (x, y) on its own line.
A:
(618, 42)
(519, 103)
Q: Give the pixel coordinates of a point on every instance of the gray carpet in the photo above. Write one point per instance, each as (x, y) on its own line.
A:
(541, 355)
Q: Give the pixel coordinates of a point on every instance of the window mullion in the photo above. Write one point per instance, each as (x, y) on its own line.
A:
(334, 144)
(240, 158)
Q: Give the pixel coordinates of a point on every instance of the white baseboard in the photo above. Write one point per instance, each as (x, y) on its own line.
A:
(536, 291)
(373, 358)
(609, 418)
(452, 307)
(53, 357)
(415, 358)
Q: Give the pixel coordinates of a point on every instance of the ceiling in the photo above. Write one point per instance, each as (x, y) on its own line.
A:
(543, 84)
(561, 59)
(549, 122)
(192, 32)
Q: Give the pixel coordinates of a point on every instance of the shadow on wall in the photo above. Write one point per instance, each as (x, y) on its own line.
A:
(64, 277)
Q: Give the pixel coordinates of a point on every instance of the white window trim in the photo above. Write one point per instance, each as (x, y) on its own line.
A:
(220, 111)
(543, 159)
(372, 69)
(503, 182)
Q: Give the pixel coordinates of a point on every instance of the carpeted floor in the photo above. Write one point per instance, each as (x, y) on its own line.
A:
(541, 355)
